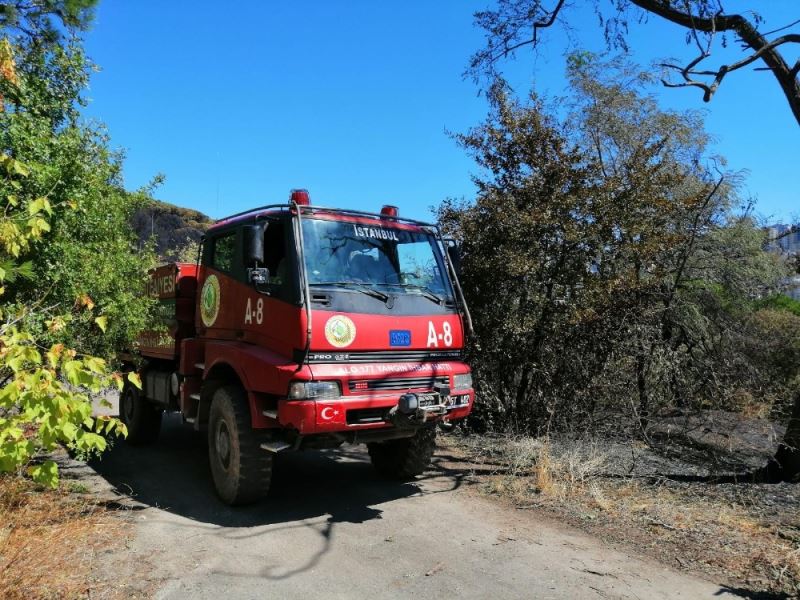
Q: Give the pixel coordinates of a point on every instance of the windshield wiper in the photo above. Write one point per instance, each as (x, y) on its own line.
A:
(423, 290)
(360, 287)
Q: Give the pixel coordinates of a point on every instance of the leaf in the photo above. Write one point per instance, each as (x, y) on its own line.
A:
(46, 473)
(117, 379)
(86, 301)
(36, 206)
(19, 168)
(25, 270)
(68, 430)
(134, 378)
(92, 441)
(102, 322)
(56, 324)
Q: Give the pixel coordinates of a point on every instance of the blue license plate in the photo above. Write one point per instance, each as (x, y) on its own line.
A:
(399, 337)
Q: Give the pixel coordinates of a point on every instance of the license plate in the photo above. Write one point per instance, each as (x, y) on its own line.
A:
(428, 399)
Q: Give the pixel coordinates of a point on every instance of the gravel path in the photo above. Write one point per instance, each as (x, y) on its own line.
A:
(332, 527)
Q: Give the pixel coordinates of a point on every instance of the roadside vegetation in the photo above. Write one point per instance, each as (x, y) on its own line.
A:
(70, 281)
(635, 360)
(672, 503)
(618, 274)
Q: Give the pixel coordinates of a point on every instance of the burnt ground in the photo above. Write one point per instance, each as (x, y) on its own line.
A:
(691, 498)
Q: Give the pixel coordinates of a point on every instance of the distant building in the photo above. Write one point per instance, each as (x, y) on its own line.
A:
(793, 287)
(786, 240)
(785, 237)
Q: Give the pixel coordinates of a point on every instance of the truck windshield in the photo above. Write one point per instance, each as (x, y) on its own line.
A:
(391, 259)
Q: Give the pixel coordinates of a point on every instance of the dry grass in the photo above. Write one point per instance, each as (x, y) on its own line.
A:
(49, 540)
(559, 471)
(713, 536)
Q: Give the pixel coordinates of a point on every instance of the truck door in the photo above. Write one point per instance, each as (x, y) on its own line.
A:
(221, 272)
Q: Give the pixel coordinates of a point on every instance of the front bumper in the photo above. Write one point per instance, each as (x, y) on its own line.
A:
(355, 413)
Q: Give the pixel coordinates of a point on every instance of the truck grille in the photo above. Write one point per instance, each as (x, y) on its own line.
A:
(397, 383)
(381, 356)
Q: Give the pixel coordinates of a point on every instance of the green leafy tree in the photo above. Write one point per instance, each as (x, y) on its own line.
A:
(90, 255)
(68, 260)
(44, 399)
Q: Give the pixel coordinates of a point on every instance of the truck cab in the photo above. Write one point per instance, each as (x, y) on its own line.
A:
(306, 327)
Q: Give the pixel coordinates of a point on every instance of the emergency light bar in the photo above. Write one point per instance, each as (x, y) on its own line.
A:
(300, 197)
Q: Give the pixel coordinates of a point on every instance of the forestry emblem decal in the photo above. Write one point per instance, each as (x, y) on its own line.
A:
(209, 300)
(340, 331)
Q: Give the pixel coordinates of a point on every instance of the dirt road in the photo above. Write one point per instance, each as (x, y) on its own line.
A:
(332, 528)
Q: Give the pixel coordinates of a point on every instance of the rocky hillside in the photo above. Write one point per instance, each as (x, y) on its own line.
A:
(176, 230)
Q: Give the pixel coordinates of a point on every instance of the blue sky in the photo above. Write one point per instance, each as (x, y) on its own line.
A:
(353, 99)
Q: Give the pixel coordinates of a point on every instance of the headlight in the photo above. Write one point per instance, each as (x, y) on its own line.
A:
(462, 382)
(314, 390)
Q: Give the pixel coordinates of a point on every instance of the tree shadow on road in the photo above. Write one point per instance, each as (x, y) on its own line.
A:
(173, 475)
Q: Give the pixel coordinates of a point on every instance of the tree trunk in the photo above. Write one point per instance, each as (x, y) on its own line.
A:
(644, 400)
(785, 466)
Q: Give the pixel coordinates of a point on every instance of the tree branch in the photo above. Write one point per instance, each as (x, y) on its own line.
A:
(762, 48)
(547, 20)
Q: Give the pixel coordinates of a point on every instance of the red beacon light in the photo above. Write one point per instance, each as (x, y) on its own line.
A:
(390, 211)
(300, 197)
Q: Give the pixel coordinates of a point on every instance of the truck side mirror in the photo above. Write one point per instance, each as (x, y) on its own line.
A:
(253, 245)
(455, 258)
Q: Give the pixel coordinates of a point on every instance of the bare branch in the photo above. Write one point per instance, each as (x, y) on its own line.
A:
(549, 19)
(506, 39)
(749, 35)
(508, 27)
(784, 28)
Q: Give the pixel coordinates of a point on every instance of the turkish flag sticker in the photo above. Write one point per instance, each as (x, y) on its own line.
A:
(330, 413)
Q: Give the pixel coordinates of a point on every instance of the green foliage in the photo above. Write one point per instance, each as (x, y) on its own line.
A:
(780, 302)
(47, 18)
(45, 403)
(90, 255)
(44, 400)
(71, 273)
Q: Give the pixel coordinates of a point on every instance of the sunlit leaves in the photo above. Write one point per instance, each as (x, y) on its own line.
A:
(69, 273)
(47, 401)
(8, 68)
(134, 378)
(46, 398)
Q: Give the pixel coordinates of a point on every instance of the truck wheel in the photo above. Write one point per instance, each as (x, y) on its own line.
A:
(141, 417)
(240, 467)
(404, 458)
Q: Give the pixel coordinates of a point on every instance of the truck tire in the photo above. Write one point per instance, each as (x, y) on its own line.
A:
(405, 458)
(240, 467)
(141, 417)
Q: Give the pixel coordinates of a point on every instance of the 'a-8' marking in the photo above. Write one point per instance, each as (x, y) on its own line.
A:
(257, 314)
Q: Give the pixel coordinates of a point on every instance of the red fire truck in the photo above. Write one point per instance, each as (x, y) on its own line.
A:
(306, 327)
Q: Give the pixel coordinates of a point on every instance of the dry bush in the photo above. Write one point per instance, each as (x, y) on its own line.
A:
(570, 469)
(49, 540)
(543, 466)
